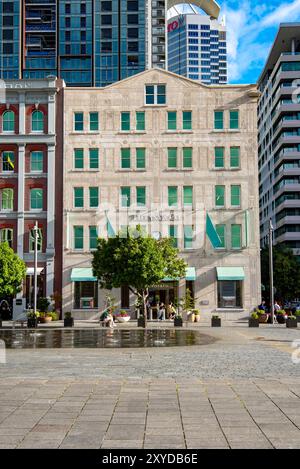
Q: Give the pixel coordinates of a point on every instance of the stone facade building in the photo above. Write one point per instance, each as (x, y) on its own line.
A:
(174, 156)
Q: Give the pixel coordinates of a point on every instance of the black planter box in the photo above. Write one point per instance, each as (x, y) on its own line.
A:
(0, 323)
(215, 322)
(32, 323)
(291, 322)
(141, 322)
(298, 318)
(68, 322)
(178, 322)
(253, 322)
(280, 319)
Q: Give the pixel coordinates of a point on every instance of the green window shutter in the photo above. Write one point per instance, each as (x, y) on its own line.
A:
(94, 121)
(125, 196)
(125, 158)
(125, 121)
(78, 197)
(173, 234)
(36, 199)
(234, 120)
(187, 157)
(221, 230)
(220, 196)
(187, 120)
(78, 121)
(172, 157)
(8, 199)
(236, 238)
(172, 196)
(219, 120)
(141, 196)
(140, 158)
(236, 196)
(188, 236)
(219, 157)
(94, 158)
(8, 119)
(188, 196)
(78, 158)
(172, 120)
(93, 237)
(78, 237)
(140, 120)
(94, 197)
(234, 157)
(8, 161)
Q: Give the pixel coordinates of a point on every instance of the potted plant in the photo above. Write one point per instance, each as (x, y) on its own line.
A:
(215, 321)
(54, 315)
(68, 320)
(32, 319)
(188, 305)
(123, 316)
(44, 318)
(178, 320)
(291, 321)
(196, 313)
(254, 320)
(297, 314)
(262, 316)
(43, 304)
(281, 316)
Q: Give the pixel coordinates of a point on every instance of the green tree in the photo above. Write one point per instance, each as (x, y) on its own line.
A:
(137, 261)
(286, 272)
(12, 271)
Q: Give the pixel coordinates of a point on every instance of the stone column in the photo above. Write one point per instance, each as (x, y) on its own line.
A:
(50, 250)
(21, 191)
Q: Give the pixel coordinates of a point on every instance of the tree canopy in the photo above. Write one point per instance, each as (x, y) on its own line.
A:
(12, 271)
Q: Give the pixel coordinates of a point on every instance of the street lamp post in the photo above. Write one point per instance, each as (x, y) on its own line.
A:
(36, 235)
(271, 270)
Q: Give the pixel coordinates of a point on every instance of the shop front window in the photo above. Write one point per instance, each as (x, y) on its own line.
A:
(230, 294)
(85, 295)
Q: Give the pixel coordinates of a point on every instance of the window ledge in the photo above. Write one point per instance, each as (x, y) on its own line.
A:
(83, 170)
(179, 169)
(83, 132)
(155, 105)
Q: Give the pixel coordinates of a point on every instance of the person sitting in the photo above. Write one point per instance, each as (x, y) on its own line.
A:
(262, 306)
(107, 319)
(172, 311)
(161, 312)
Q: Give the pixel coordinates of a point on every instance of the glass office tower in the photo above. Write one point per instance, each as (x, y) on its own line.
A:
(85, 42)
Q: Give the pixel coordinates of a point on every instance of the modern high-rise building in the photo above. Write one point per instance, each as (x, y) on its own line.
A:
(197, 48)
(279, 140)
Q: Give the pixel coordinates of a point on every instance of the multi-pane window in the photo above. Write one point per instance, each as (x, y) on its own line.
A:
(219, 157)
(236, 236)
(172, 157)
(36, 199)
(94, 158)
(173, 235)
(187, 120)
(140, 120)
(172, 120)
(78, 237)
(7, 200)
(94, 197)
(8, 121)
(36, 161)
(230, 294)
(234, 157)
(141, 196)
(6, 236)
(37, 121)
(221, 231)
(125, 158)
(39, 240)
(187, 155)
(78, 197)
(234, 119)
(172, 196)
(187, 196)
(140, 158)
(219, 120)
(94, 121)
(155, 94)
(235, 195)
(125, 121)
(93, 237)
(8, 161)
(188, 236)
(78, 158)
(125, 196)
(78, 121)
(220, 196)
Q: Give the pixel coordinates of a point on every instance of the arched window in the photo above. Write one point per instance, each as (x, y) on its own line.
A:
(37, 121)
(7, 199)
(6, 236)
(8, 124)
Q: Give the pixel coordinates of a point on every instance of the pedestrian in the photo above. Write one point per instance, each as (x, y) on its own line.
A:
(161, 312)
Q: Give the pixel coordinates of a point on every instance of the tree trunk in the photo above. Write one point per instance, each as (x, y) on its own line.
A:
(145, 295)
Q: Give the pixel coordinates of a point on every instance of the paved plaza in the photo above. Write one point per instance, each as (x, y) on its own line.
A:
(240, 391)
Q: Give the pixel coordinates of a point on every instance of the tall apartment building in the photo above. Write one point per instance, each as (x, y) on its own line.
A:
(31, 179)
(197, 48)
(165, 152)
(279, 140)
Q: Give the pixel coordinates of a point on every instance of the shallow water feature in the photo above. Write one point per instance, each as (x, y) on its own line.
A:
(102, 338)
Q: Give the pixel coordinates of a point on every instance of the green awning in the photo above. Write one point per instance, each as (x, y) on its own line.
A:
(230, 273)
(190, 274)
(82, 274)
